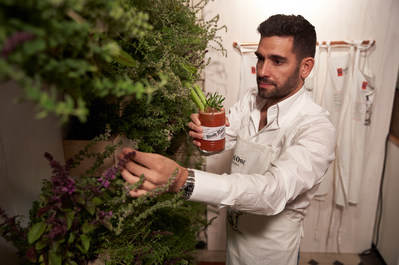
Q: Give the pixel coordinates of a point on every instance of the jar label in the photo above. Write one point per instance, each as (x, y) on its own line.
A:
(213, 133)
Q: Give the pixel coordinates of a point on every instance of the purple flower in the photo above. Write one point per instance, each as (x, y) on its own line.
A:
(31, 254)
(61, 181)
(42, 211)
(104, 215)
(106, 183)
(108, 175)
(58, 229)
(63, 184)
(14, 40)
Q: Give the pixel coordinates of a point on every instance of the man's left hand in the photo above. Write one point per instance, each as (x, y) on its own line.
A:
(156, 169)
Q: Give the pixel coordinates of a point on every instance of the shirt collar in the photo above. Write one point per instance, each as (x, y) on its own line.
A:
(280, 112)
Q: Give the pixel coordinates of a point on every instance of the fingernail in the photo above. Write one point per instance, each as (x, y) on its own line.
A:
(130, 155)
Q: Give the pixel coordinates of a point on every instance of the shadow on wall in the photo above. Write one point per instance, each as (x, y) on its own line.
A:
(216, 75)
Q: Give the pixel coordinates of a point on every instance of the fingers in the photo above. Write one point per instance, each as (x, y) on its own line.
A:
(137, 163)
(143, 189)
(195, 135)
(196, 143)
(145, 163)
(148, 160)
(132, 178)
(196, 129)
(137, 193)
(195, 119)
(156, 168)
(227, 122)
(125, 151)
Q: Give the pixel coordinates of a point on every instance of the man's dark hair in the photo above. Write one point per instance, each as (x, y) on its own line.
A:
(290, 25)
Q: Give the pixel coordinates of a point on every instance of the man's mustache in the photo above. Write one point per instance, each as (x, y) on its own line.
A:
(265, 80)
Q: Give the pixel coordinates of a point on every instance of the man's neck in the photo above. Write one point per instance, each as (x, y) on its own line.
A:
(268, 104)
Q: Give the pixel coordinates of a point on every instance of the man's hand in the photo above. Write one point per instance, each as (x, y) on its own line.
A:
(196, 128)
(156, 169)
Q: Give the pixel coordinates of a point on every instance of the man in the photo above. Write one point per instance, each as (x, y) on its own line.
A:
(283, 144)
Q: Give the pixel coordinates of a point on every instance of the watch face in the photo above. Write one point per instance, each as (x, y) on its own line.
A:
(189, 185)
(188, 190)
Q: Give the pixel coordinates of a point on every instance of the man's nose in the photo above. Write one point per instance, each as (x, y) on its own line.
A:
(264, 68)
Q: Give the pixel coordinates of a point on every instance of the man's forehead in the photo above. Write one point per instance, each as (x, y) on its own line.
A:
(276, 44)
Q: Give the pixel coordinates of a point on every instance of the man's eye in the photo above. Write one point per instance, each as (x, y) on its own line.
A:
(278, 62)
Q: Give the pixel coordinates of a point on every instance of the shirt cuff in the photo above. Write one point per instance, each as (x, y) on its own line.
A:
(211, 188)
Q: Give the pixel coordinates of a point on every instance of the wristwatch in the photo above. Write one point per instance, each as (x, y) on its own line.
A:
(188, 187)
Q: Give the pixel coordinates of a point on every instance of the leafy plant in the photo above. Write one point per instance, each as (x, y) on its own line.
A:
(176, 46)
(80, 218)
(213, 103)
(126, 64)
(62, 53)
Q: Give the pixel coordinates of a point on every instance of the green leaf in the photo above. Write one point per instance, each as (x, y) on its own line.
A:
(79, 199)
(41, 244)
(97, 201)
(87, 228)
(71, 238)
(125, 59)
(90, 207)
(69, 218)
(107, 225)
(190, 69)
(54, 258)
(36, 232)
(85, 242)
(34, 46)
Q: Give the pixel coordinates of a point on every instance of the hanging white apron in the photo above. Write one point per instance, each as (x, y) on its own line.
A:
(259, 239)
(351, 138)
(336, 83)
(248, 69)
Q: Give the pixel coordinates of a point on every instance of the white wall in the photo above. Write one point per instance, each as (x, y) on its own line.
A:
(334, 20)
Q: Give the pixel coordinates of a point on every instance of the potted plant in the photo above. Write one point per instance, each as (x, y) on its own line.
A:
(212, 117)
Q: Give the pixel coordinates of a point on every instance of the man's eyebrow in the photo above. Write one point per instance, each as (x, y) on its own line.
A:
(278, 57)
(272, 57)
(258, 55)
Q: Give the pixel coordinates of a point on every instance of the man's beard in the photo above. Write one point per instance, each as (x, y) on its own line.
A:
(279, 92)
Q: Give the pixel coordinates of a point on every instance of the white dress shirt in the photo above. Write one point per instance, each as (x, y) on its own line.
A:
(300, 158)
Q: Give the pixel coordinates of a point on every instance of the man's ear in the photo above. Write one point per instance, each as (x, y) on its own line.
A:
(306, 66)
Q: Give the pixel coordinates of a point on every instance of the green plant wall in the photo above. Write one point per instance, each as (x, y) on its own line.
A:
(61, 52)
(126, 65)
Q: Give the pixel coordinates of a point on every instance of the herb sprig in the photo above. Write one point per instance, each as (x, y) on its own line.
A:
(213, 103)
